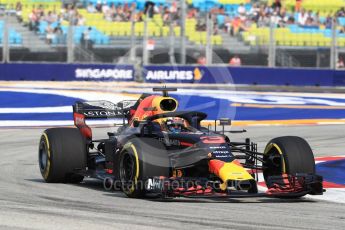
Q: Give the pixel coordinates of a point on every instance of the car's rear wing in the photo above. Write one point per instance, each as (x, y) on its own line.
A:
(98, 110)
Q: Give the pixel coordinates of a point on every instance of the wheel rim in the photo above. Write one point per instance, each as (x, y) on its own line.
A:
(127, 168)
(43, 157)
(273, 163)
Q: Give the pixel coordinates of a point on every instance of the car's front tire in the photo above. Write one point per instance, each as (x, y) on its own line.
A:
(288, 155)
(140, 159)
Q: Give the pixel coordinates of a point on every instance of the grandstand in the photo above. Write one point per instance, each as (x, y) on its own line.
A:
(240, 27)
(14, 36)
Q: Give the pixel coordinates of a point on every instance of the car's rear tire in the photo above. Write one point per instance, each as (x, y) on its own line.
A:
(61, 152)
(288, 155)
(140, 159)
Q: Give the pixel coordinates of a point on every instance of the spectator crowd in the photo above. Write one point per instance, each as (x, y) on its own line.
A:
(238, 19)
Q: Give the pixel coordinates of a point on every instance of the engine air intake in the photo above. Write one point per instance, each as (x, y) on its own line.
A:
(168, 104)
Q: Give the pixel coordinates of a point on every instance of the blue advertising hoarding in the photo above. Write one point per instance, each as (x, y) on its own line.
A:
(65, 72)
(172, 74)
(243, 75)
(186, 74)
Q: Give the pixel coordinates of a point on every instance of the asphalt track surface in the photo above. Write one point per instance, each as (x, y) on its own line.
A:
(26, 202)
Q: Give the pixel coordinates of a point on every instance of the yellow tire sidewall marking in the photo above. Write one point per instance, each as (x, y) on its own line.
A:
(47, 169)
(135, 152)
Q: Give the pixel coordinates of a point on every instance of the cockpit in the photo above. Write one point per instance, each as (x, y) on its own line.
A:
(173, 125)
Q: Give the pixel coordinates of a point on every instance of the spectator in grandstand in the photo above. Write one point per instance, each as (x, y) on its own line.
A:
(166, 16)
(266, 10)
(275, 17)
(50, 35)
(309, 23)
(254, 12)
(34, 20)
(298, 5)
(122, 14)
(19, 8)
(91, 8)
(284, 17)
(86, 41)
(2, 10)
(149, 8)
(50, 17)
(217, 10)
(201, 25)
(59, 35)
(105, 7)
(340, 63)
(302, 17)
(328, 22)
(235, 61)
(215, 27)
(99, 6)
(79, 20)
(174, 18)
(341, 12)
(290, 21)
(342, 30)
(127, 13)
(109, 15)
(316, 19)
(241, 10)
(228, 24)
(201, 60)
(192, 13)
(312, 21)
(69, 12)
(40, 11)
(276, 5)
(235, 26)
(173, 7)
(263, 20)
(138, 17)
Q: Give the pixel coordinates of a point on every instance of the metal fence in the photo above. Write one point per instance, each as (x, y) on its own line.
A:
(158, 38)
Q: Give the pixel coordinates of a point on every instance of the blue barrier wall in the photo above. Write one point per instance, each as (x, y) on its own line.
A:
(65, 72)
(243, 75)
(173, 74)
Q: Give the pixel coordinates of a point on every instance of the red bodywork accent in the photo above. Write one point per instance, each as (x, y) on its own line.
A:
(286, 185)
(197, 190)
(186, 144)
(79, 121)
(109, 171)
(212, 140)
(140, 112)
(215, 166)
(131, 112)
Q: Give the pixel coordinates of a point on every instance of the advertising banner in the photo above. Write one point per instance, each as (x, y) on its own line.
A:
(243, 75)
(66, 72)
(186, 74)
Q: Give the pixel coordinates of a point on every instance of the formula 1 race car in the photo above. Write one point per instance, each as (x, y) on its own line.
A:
(162, 152)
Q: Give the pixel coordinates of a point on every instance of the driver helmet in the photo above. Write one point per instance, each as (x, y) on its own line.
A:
(174, 125)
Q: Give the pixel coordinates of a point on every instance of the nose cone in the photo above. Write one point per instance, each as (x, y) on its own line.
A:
(228, 171)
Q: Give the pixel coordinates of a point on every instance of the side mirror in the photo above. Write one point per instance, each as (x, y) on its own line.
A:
(224, 121)
(136, 123)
